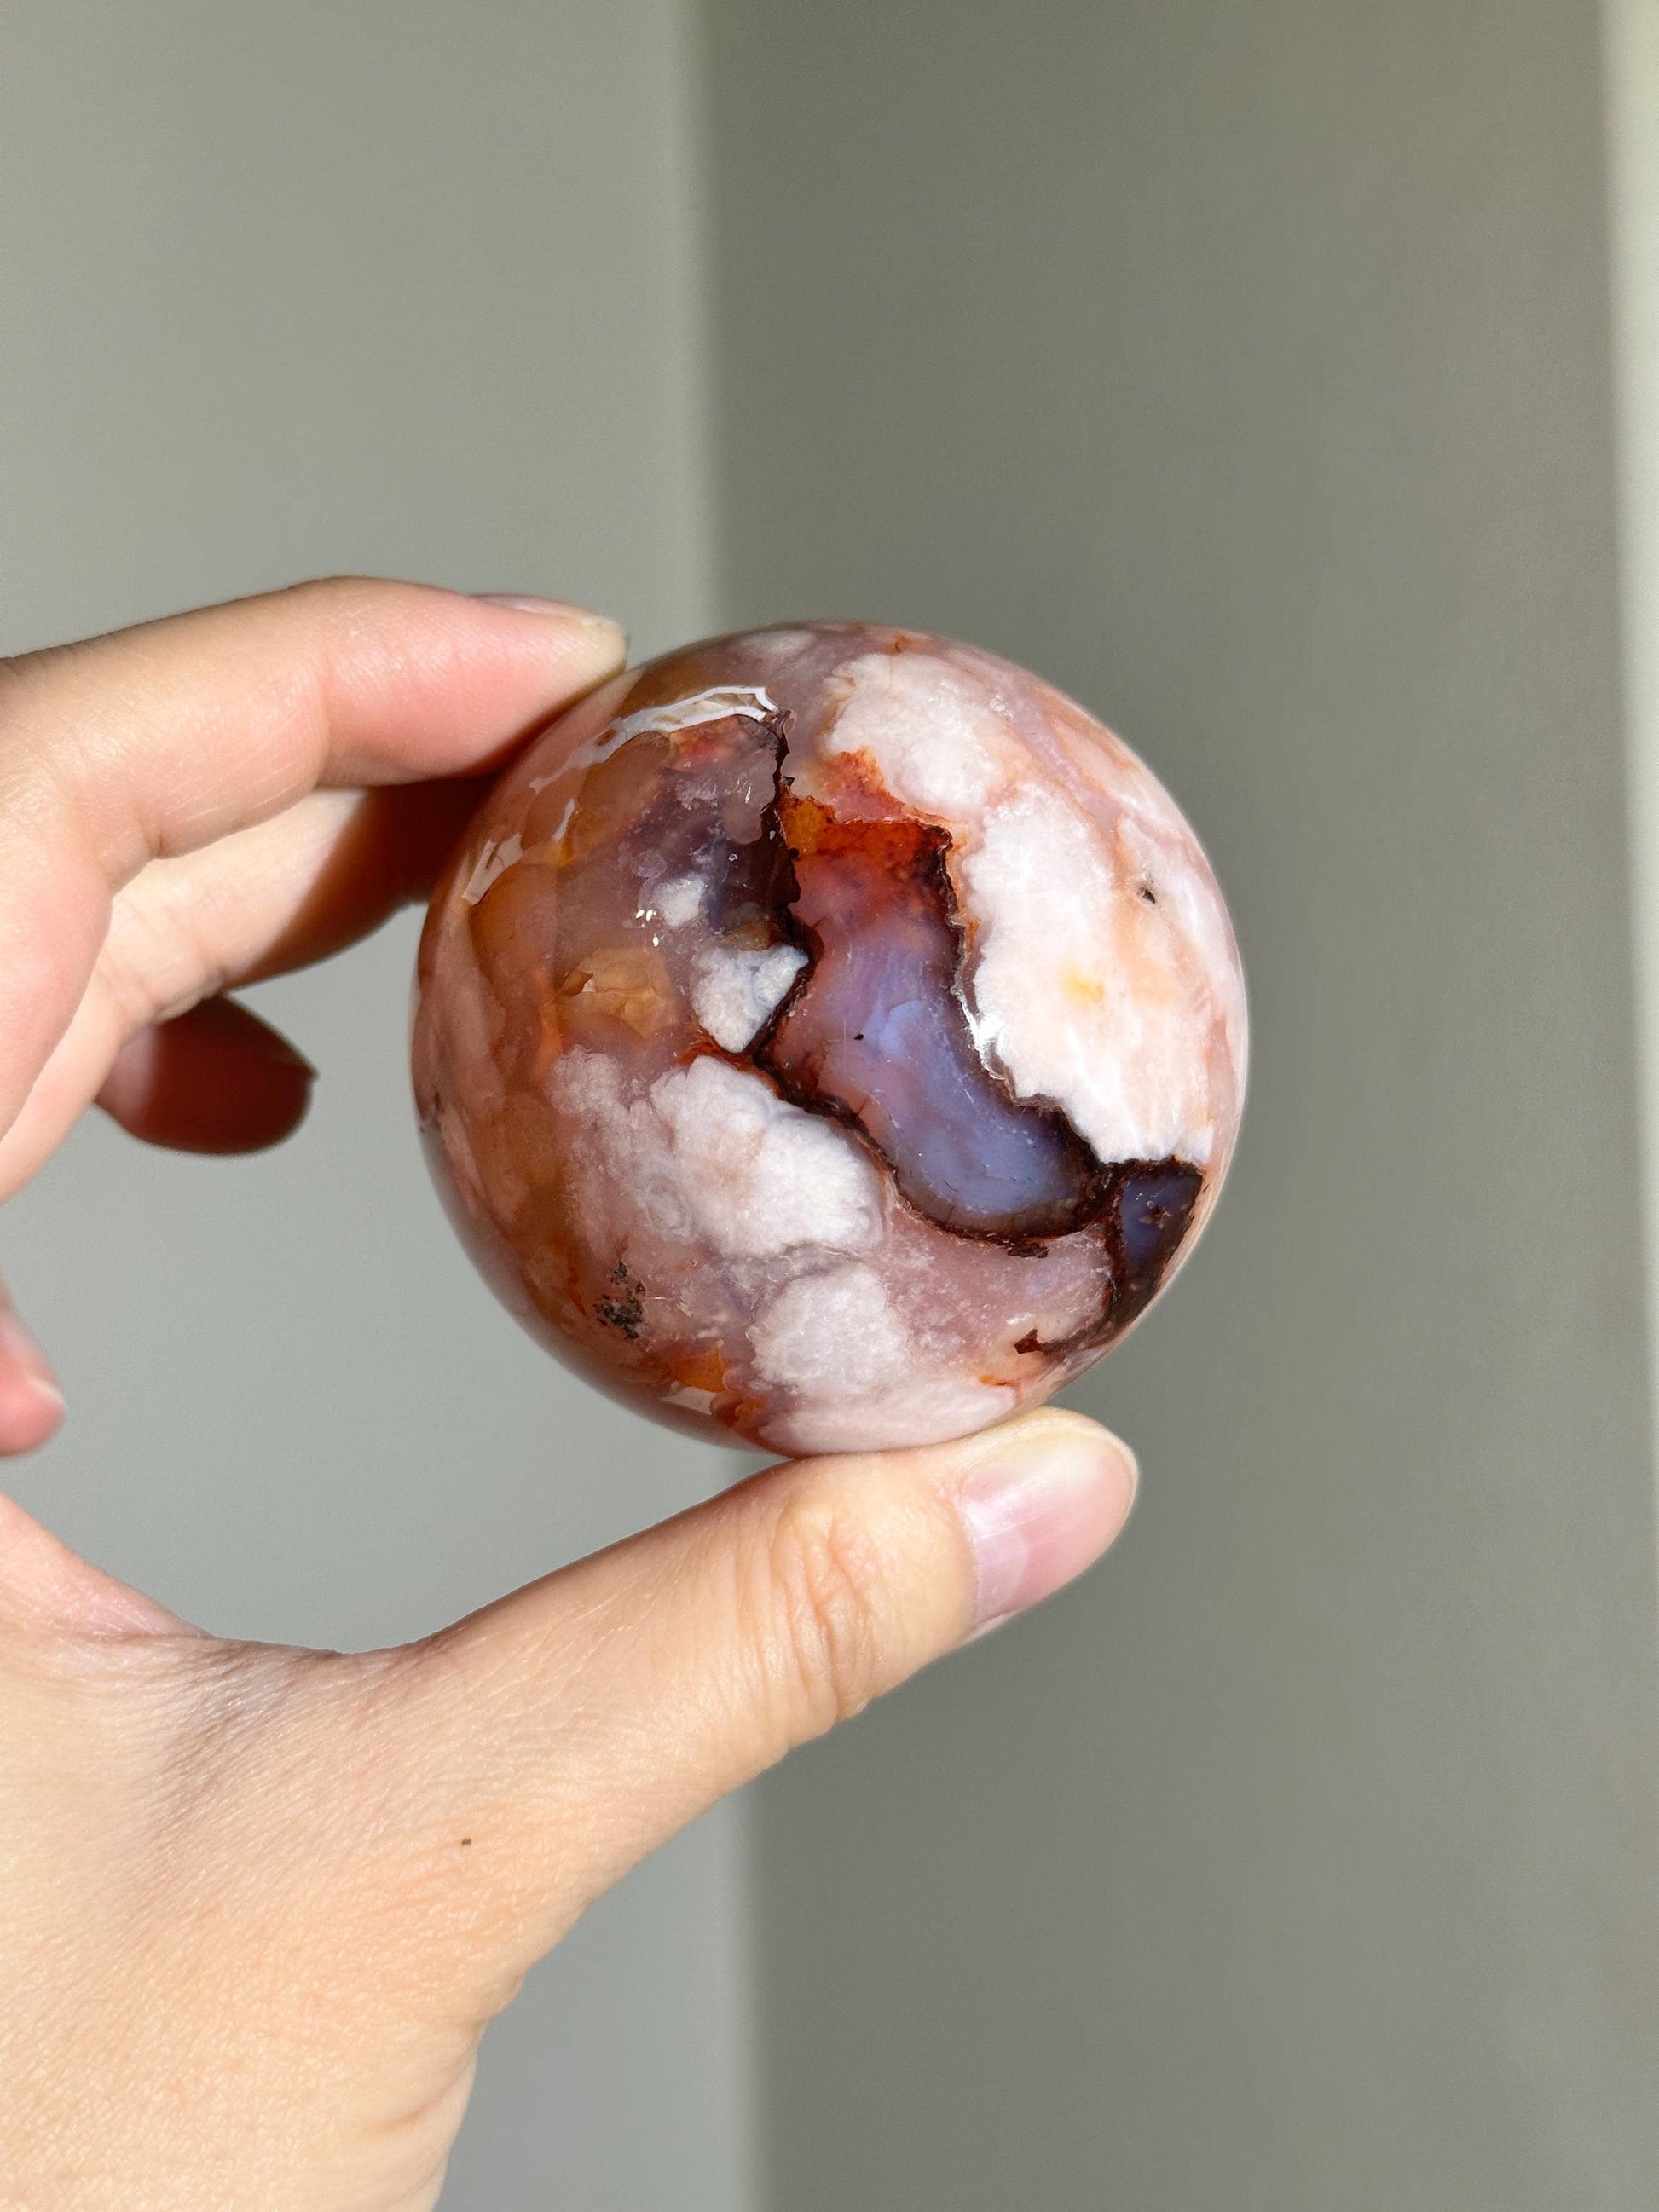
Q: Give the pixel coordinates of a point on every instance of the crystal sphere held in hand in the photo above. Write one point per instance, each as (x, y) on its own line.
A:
(828, 1037)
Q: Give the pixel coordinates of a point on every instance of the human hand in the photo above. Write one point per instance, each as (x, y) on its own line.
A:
(257, 1903)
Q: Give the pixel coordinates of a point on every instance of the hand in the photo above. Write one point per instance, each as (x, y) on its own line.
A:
(256, 1905)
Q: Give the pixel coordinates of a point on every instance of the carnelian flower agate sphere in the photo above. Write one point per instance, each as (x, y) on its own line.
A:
(828, 1037)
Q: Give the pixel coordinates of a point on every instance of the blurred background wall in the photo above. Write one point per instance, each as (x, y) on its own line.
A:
(401, 286)
(1631, 74)
(1249, 371)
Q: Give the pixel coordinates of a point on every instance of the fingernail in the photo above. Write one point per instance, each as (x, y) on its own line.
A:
(525, 602)
(20, 1353)
(1051, 1493)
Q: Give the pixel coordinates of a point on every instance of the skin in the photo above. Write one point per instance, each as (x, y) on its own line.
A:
(257, 1903)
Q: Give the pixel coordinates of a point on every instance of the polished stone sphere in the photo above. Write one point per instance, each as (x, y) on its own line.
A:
(828, 1037)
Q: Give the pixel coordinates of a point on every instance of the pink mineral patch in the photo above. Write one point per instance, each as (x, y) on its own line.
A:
(828, 1037)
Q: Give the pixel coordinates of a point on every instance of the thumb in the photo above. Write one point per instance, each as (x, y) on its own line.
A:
(567, 1731)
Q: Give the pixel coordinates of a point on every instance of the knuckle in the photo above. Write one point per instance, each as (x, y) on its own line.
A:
(18, 672)
(826, 1614)
(326, 592)
(343, 620)
(21, 677)
(47, 752)
(158, 960)
(343, 602)
(125, 979)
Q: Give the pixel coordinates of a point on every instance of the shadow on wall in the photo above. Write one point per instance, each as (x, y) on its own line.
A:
(1246, 371)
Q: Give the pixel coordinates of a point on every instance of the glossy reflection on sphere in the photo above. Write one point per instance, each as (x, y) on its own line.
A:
(828, 1037)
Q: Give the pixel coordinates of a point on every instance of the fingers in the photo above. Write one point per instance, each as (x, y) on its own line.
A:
(31, 1404)
(217, 1080)
(159, 740)
(569, 1730)
(268, 899)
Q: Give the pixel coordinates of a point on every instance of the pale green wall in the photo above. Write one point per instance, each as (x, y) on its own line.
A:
(1247, 369)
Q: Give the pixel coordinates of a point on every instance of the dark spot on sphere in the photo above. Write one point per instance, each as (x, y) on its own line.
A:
(625, 1312)
(1149, 1206)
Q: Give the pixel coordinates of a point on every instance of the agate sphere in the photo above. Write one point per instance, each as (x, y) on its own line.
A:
(828, 1037)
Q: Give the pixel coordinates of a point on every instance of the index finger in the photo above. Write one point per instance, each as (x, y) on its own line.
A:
(156, 740)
